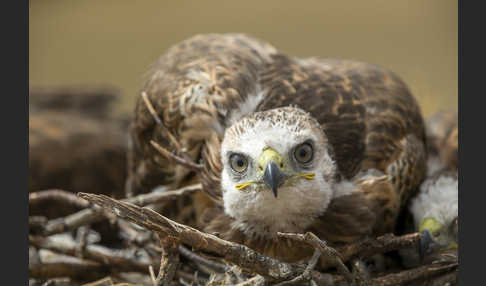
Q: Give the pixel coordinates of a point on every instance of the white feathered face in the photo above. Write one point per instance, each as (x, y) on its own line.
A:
(277, 171)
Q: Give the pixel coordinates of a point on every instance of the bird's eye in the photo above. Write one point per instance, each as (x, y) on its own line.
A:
(238, 163)
(303, 153)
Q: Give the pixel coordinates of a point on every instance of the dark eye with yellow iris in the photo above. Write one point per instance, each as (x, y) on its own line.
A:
(303, 153)
(238, 163)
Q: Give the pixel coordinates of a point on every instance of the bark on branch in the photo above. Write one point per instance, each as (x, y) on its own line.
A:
(92, 215)
(232, 252)
(273, 270)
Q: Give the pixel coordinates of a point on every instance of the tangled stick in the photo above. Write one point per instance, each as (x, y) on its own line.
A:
(94, 214)
(169, 261)
(215, 266)
(407, 276)
(118, 260)
(382, 244)
(232, 252)
(60, 196)
(321, 248)
(272, 270)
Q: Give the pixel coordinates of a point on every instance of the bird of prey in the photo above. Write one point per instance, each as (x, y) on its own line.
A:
(435, 212)
(286, 144)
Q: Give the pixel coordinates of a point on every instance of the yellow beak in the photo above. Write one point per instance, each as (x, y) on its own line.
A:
(272, 163)
(267, 156)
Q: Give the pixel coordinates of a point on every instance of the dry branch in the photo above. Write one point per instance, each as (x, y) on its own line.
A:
(334, 258)
(232, 252)
(60, 196)
(71, 222)
(169, 261)
(92, 215)
(272, 270)
(382, 244)
(119, 260)
(216, 266)
(254, 281)
(306, 275)
(404, 277)
(157, 197)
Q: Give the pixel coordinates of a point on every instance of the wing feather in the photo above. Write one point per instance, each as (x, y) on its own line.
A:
(193, 87)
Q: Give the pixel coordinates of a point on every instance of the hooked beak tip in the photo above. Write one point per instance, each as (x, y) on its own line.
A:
(273, 177)
(274, 190)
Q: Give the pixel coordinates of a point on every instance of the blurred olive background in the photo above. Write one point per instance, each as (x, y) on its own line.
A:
(113, 42)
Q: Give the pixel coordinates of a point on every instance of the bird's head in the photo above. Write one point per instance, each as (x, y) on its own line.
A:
(277, 169)
(435, 212)
(437, 236)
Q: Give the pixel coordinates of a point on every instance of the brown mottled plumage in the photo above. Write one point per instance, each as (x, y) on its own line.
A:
(205, 84)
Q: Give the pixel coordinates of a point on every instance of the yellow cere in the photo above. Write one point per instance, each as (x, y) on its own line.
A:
(430, 224)
(267, 156)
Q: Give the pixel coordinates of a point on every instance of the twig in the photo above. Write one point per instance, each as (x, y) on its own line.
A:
(187, 276)
(132, 235)
(71, 222)
(232, 252)
(82, 237)
(152, 276)
(60, 196)
(111, 258)
(244, 257)
(157, 197)
(186, 159)
(169, 261)
(254, 281)
(306, 275)
(382, 244)
(92, 215)
(218, 267)
(404, 277)
(333, 256)
(359, 271)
